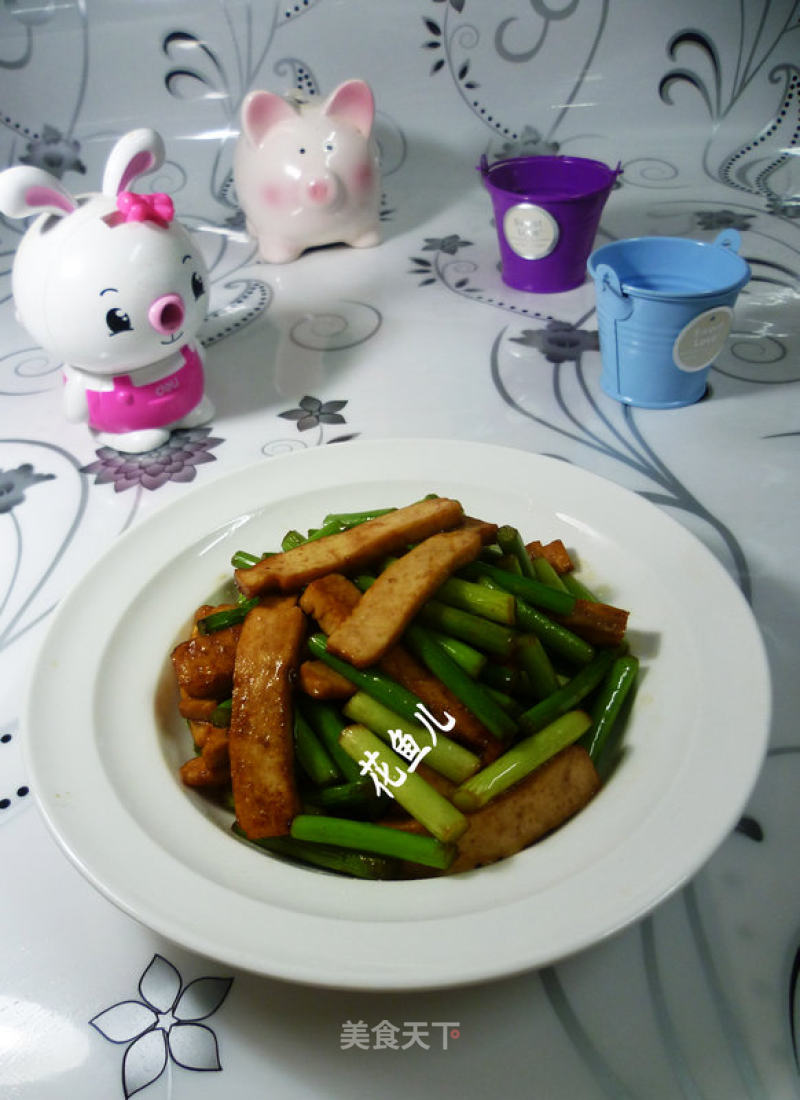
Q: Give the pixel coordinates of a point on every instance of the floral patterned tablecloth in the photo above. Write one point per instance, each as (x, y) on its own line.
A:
(418, 337)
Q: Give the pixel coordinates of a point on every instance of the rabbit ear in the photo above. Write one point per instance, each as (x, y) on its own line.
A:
(135, 153)
(25, 190)
(353, 101)
(263, 110)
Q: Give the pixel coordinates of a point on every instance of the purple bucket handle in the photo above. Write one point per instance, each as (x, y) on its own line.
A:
(728, 238)
(483, 167)
(616, 301)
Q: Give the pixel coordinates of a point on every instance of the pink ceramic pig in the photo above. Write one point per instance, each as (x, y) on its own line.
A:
(307, 172)
(113, 285)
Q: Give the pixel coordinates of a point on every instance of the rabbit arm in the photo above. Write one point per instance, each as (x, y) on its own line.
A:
(76, 405)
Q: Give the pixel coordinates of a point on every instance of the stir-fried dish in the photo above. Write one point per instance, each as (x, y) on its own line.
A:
(404, 692)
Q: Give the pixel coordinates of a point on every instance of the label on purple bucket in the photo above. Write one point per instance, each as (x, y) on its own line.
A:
(699, 343)
(530, 231)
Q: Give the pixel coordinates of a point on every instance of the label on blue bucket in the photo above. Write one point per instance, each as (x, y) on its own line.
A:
(700, 342)
(530, 231)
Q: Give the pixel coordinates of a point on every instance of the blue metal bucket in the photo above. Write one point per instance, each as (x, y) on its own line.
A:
(664, 311)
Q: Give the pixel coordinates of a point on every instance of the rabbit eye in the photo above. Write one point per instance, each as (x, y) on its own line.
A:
(118, 321)
(198, 286)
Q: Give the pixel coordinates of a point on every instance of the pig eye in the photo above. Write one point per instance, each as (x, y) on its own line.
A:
(198, 286)
(329, 147)
(118, 321)
(301, 150)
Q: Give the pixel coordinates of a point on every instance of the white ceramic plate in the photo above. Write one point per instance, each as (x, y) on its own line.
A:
(105, 742)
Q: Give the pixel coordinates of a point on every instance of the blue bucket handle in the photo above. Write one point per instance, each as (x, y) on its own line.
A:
(615, 300)
(730, 239)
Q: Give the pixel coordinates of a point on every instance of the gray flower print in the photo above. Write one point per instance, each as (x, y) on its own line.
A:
(164, 1024)
(449, 244)
(723, 219)
(559, 341)
(13, 484)
(54, 153)
(312, 412)
(530, 143)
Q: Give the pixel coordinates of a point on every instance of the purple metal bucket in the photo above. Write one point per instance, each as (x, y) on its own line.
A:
(547, 210)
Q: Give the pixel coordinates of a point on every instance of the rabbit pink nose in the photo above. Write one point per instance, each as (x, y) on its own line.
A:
(166, 314)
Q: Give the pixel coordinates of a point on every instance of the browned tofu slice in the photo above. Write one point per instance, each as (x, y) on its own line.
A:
(204, 664)
(598, 623)
(487, 530)
(403, 667)
(529, 810)
(330, 600)
(261, 730)
(322, 682)
(398, 593)
(199, 710)
(348, 550)
(525, 813)
(554, 552)
(211, 768)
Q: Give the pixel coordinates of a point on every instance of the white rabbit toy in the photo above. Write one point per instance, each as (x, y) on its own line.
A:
(112, 285)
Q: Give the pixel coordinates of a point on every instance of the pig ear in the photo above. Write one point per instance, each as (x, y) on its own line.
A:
(353, 101)
(27, 190)
(136, 153)
(261, 111)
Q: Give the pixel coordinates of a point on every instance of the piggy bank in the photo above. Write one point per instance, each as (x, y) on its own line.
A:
(112, 285)
(307, 172)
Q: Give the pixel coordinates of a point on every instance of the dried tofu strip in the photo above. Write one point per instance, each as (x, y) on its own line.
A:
(486, 529)
(211, 768)
(389, 605)
(528, 811)
(554, 552)
(352, 549)
(403, 667)
(598, 623)
(199, 710)
(535, 806)
(330, 600)
(321, 682)
(204, 664)
(261, 730)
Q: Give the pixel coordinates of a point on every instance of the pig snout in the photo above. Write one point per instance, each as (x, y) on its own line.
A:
(320, 191)
(167, 313)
